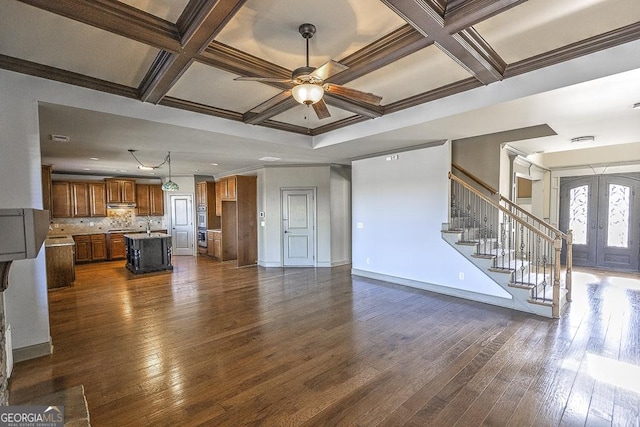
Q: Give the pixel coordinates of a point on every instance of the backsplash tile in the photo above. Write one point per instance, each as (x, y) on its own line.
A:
(116, 218)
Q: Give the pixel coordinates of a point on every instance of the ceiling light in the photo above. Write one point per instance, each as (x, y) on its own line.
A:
(94, 158)
(307, 93)
(269, 159)
(145, 168)
(583, 139)
(214, 164)
(169, 185)
(636, 106)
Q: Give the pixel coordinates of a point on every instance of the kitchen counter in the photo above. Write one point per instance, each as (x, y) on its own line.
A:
(138, 236)
(62, 240)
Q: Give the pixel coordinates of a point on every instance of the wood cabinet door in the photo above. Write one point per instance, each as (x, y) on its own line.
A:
(117, 249)
(231, 188)
(113, 191)
(98, 247)
(219, 189)
(201, 193)
(142, 199)
(217, 246)
(46, 187)
(97, 199)
(156, 197)
(128, 191)
(209, 243)
(61, 199)
(83, 248)
(80, 199)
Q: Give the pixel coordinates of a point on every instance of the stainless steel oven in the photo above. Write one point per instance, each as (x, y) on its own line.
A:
(202, 217)
(202, 237)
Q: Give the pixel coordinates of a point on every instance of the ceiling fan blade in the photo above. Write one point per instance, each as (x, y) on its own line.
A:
(263, 79)
(354, 94)
(328, 69)
(321, 110)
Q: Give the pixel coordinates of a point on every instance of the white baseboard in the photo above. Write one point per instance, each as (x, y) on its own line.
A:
(32, 351)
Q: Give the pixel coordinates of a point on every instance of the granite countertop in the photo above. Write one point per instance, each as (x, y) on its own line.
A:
(216, 230)
(141, 236)
(54, 233)
(61, 240)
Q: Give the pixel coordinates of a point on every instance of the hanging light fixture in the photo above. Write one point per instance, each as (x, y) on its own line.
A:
(142, 166)
(170, 185)
(307, 93)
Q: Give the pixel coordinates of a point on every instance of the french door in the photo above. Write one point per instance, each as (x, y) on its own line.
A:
(604, 213)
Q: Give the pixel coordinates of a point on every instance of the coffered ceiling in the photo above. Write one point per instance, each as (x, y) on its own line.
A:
(187, 54)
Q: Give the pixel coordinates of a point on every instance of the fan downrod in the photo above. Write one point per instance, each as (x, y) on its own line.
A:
(307, 30)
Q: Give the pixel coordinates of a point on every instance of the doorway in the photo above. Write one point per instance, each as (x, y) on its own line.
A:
(603, 213)
(182, 230)
(298, 227)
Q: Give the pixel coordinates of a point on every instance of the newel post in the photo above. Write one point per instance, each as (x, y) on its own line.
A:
(557, 247)
(569, 263)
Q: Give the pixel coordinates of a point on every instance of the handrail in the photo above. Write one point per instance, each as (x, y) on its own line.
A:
(541, 221)
(501, 208)
(474, 178)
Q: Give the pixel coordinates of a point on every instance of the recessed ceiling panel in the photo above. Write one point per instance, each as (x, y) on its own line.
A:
(420, 72)
(169, 10)
(305, 116)
(214, 87)
(538, 26)
(269, 29)
(38, 36)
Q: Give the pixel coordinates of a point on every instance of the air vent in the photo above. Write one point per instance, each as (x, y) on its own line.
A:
(59, 138)
(583, 139)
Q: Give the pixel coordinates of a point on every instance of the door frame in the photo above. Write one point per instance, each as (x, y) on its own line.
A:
(190, 196)
(314, 214)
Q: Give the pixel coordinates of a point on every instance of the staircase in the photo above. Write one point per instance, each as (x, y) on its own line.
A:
(517, 250)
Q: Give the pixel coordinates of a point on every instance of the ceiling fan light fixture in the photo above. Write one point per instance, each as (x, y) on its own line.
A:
(307, 93)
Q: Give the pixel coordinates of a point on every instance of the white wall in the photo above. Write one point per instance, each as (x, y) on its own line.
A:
(401, 205)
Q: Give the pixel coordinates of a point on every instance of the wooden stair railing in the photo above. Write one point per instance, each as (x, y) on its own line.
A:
(519, 242)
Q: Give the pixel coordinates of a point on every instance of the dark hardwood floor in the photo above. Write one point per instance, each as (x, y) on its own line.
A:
(211, 344)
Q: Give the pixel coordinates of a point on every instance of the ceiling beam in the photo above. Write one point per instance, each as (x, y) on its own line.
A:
(461, 14)
(118, 18)
(468, 50)
(199, 23)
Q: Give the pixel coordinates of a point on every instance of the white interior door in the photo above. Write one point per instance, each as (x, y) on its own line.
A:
(298, 227)
(182, 230)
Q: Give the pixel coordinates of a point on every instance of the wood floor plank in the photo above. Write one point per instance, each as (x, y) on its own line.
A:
(211, 344)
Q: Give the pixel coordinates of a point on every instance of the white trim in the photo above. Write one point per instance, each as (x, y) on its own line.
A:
(32, 351)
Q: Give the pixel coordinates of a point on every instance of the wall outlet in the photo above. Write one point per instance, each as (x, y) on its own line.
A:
(368, 261)
(461, 275)
(91, 224)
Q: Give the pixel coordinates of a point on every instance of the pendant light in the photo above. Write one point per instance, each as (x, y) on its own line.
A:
(170, 185)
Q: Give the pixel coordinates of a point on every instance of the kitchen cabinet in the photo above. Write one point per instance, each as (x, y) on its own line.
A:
(226, 190)
(149, 199)
(239, 238)
(90, 247)
(116, 246)
(60, 262)
(47, 194)
(79, 199)
(201, 193)
(210, 240)
(71, 199)
(97, 199)
(120, 190)
(61, 199)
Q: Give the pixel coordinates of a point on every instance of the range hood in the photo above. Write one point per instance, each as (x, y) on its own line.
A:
(22, 232)
(121, 205)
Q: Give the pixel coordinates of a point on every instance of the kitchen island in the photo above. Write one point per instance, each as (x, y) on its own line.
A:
(147, 252)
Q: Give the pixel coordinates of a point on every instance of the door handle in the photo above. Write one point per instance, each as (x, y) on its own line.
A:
(285, 231)
(601, 225)
(593, 225)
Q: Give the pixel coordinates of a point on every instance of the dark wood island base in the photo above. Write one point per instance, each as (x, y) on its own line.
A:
(148, 252)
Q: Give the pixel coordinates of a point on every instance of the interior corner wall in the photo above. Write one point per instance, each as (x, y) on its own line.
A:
(398, 208)
(340, 215)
